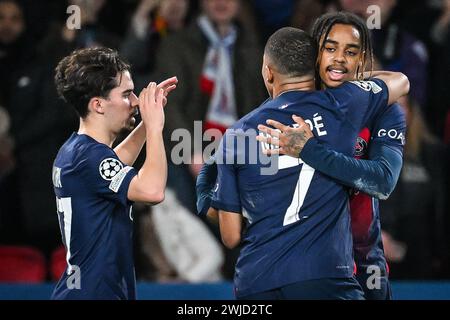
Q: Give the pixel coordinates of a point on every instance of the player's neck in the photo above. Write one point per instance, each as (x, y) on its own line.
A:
(294, 84)
(96, 133)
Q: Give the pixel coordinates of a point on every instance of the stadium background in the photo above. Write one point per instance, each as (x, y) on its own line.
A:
(179, 256)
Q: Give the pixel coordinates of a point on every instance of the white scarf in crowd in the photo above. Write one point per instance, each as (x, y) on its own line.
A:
(218, 70)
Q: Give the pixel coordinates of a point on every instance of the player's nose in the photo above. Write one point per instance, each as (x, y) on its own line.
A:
(134, 100)
(339, 56)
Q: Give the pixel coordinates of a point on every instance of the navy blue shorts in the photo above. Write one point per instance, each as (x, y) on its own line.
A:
(318, 289)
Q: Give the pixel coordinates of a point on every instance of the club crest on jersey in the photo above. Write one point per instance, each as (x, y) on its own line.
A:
(361, 147)
(109, 168)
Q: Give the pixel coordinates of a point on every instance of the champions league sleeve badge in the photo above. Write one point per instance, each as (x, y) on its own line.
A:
(109, 168)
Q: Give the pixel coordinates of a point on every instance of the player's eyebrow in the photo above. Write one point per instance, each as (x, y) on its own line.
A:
(127, 91)
(349, 45)
(353, 45)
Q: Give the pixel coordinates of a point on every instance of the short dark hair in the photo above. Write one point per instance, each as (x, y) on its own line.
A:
(88, 73)
(322, 27)
(293, 52)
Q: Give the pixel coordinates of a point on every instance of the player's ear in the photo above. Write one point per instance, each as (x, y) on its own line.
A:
(269, 74)
(95, 105)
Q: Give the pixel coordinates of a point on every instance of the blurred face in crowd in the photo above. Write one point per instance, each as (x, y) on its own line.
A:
(12, 22)
(340, 55)
(174, 11)
(221, 11)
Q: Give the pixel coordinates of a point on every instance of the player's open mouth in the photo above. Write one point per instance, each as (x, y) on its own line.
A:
(336, 73)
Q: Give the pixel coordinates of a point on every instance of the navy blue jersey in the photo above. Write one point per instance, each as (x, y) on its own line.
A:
(389, 130)
(91, 186)
(297, 219)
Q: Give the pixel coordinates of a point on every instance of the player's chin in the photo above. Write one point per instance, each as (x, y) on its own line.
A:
(329, 83)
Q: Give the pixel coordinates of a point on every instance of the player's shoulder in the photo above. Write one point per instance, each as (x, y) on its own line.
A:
(247, 121)
(98, 157)
(88, 151)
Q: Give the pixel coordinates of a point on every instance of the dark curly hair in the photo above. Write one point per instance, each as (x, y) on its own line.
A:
(88, 73)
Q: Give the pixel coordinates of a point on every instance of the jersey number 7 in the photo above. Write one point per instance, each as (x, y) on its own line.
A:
(301, 189)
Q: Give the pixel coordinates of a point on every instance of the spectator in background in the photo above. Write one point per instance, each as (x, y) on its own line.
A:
(441, 28)
(214, 59)
(152, 21)
(218, 64)
(61, 40)
(15, 47)
(394, 48)
(440, 98)
(7, 164)
(16, 55)
(272, 15)
(40, 123)
(306, 12)
(190, 249)
(6, 144)
(416, 213)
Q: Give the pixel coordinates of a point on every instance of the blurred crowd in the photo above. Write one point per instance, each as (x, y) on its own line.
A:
(163, 38)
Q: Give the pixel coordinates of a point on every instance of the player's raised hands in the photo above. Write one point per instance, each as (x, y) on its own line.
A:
(151, 107)
(167, 86)
(287, 140)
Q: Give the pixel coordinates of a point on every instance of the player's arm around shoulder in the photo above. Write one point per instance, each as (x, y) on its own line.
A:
(230, 228)
(149, 184)
(396, 82)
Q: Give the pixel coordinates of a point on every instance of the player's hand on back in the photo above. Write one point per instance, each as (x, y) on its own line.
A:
(151, 100)
(289, 141)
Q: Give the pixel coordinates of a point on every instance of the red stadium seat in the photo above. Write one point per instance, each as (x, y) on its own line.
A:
(58, 263)
(20, 264)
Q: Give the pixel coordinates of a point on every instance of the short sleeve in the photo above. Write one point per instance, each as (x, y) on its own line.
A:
(226, 192)
(106, 175)
(361, 101)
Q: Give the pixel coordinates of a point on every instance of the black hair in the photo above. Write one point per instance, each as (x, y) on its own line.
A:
(322, 27)
(292, 51)
(88, 73)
